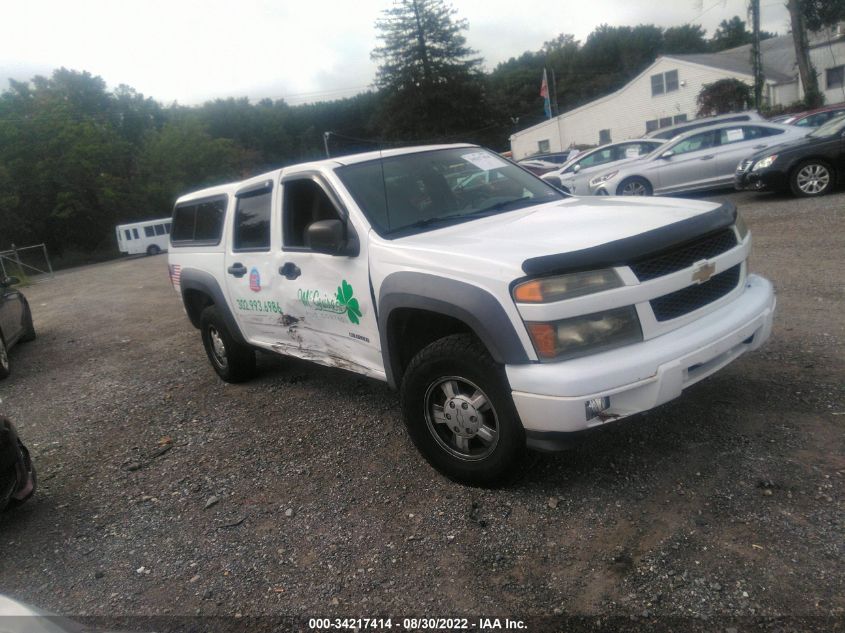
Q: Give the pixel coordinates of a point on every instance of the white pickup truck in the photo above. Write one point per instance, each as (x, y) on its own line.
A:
(507, 313)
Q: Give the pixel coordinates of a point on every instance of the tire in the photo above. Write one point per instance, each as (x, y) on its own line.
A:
(490, 441)
(5, 366)
(152, 249)
(233, 361)
(634, 186)
(812, 178)
(14, 503)
(28, 327)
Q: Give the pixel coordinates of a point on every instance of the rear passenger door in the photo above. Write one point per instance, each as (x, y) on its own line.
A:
(738, 142)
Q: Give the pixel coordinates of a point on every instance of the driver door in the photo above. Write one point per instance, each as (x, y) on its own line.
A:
(692, 164)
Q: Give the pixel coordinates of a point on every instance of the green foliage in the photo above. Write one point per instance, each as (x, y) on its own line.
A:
(723, 96)
(732, 33)
(819, 14)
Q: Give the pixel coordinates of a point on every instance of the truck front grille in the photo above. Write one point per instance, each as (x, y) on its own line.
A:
(677, 304)
(685, 255)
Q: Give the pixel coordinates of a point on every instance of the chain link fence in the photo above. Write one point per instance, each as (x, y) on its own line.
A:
(28, 263)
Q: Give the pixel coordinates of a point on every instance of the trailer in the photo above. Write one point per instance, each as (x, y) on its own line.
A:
(149, 236)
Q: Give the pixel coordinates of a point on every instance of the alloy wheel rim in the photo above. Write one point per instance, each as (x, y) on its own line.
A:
(218, 347)
(461, 418)
(813, 179)
(634, 189)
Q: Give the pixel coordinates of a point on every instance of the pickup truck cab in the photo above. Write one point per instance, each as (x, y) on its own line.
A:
(507, 313)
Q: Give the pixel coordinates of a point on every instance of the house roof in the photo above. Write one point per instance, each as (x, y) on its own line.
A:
(777, 54)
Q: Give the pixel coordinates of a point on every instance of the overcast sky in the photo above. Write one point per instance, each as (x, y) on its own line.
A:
(300, 50)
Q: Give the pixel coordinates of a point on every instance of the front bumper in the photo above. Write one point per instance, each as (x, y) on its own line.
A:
(551, 397)
(760, 180)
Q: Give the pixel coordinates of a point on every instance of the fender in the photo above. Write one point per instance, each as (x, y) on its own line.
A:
(193, 279)
(479, 309)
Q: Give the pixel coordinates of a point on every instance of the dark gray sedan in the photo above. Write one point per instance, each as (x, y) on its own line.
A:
(15, 321)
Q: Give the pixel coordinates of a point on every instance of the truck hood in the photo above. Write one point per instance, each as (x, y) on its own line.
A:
(507, 240)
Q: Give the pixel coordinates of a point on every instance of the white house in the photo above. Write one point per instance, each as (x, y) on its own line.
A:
(665, 93)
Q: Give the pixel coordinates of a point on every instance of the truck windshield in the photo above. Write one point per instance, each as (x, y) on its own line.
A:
(406, 194)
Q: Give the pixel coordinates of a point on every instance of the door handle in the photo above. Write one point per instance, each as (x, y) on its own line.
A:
(707, 157)
(237, 270)
(289, 270)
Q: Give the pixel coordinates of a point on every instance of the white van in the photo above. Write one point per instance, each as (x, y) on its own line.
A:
(150, 237)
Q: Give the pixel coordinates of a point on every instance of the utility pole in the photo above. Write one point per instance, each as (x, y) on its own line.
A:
(756, 61)
(326, 143)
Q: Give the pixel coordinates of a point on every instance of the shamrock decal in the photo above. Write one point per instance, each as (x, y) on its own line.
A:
(346, 300)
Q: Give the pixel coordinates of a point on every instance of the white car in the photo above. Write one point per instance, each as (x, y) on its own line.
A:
(574, 177)
(695, 161)
(507, 314)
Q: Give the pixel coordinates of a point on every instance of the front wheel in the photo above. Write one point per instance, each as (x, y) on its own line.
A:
(635, 186)
(458, 411)
(233, 361)
(152, 249)
(811, 178)
(5, 366)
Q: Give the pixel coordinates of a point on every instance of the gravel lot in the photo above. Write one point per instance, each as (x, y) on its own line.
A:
(167, 492)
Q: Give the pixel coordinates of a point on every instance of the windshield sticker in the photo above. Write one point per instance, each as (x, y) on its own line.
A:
(735, 135)
(254, 280)
(341, 303)
(632, 152)
(484, 161)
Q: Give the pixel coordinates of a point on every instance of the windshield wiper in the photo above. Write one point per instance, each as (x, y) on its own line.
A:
(419, 224)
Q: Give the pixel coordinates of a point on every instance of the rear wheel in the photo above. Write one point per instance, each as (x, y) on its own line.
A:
(811, 178)
(152, 249)
(457, 409)
(635, 186)
(233, 361)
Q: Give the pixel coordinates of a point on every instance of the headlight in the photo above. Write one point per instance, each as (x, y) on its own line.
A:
(765, 162)
(589, 334)
(741, 228)
(548, 289)
(595, 182)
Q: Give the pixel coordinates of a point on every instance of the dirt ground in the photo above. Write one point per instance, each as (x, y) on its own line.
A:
(165, 492)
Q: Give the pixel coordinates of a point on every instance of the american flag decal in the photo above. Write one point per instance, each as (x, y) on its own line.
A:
(175, 275)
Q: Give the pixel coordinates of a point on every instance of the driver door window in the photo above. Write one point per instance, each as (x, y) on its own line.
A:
(305, 202)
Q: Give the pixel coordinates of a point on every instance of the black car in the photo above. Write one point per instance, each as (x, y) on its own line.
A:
(810, 166)
(15, 321)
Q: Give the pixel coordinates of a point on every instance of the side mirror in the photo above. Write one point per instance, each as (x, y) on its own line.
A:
(667, 154)
(576, 169)
(9, 281)
(330, 237)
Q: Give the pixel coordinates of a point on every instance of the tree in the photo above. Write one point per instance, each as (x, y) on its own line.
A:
(732, 33)
(723, 96)
(812, 15)
(430, 79)
(684, 39)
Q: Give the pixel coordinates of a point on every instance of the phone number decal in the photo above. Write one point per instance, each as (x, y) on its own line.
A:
(254, 305)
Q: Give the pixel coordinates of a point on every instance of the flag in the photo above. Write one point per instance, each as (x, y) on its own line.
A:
(544, 92)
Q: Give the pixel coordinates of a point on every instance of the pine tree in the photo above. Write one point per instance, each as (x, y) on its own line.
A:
(430, 79)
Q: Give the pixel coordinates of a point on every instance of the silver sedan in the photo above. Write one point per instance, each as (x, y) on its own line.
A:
(696, 161)
(574, 176)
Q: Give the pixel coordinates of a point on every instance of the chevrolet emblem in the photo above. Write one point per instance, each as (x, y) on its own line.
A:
(704, 272)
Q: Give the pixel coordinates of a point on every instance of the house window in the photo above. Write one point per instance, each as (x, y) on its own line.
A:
(657, 87)
(679, 118)
(543, 146)
(671, 78)
(651, 126)
(835, 77)
(666, 121)
(664, 82)
(604, 137)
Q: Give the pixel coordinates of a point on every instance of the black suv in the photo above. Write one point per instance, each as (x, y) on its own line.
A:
(15, 321)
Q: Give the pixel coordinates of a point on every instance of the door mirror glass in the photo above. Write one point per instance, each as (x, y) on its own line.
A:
(667, 154)
(326, 236)
(10, 281)
(576, 169)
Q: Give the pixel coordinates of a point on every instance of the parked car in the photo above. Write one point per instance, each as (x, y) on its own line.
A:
(574, 176)
(810, 166)
(508, 316)
(536, 166)
(680, 128)
(817, 117)
(15, 321)
(18, 478)
(696, 161)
